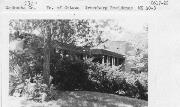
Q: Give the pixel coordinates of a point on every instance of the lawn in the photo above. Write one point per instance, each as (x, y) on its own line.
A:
(81, 99)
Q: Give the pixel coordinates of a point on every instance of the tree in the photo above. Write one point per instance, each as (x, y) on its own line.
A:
(38, 34)
(138, 56)
(46, 64)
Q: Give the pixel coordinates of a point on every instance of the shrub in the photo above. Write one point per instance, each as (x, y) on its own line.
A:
(34, 89)
(115, 80)
(23, 66)
(79, 75)
(70, 75)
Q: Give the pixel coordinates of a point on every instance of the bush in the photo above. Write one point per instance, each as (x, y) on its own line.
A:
(70, 75)
(34, 89)
(78, 75)
(90, 76)
(116, 81)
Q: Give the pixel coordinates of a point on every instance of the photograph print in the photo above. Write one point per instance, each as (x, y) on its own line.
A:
(78, 63)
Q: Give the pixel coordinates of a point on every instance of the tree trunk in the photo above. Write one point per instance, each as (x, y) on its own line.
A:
(46, 66)
(46, 63)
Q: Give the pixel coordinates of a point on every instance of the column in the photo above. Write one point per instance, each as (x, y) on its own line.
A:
(113, 61)
(107, 59)
(102, 59)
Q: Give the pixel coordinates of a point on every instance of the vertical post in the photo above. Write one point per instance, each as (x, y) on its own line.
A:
(113, 61)
(110, 60)
(103, 59)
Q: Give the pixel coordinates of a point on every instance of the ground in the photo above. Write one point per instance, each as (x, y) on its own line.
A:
(81, 99)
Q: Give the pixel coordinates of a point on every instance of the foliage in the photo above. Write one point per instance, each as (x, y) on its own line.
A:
(34, 89)
(137, 57)
(90, 76)
(78, 75)
(139, 61)
(114, 80)
(70, 74)
(38, 34)
(27, 63)
(65, 31)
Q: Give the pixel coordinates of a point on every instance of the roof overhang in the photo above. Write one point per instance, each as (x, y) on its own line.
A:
(82, 50)
(105, 52)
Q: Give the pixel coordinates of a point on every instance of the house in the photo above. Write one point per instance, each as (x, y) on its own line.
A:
(111, 52)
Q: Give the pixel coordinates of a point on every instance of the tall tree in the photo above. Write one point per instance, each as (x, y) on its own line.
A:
(40, 33)
(46, 58)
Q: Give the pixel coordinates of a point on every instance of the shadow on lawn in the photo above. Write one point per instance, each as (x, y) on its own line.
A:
(86, 99)
(96, 99)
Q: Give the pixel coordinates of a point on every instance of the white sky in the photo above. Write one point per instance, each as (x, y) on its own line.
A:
(129, 28)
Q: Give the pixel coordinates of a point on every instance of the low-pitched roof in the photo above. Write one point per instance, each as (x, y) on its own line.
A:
(118, 47)
(105, 52)
(110, 48)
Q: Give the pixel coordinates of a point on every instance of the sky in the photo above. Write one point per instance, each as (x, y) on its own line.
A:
(129, 28)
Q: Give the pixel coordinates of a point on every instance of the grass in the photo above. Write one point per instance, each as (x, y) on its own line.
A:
(81, 99)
